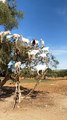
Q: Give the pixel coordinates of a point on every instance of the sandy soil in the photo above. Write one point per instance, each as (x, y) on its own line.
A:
(47, 102)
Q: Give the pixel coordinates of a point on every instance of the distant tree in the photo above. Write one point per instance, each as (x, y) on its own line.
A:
(61, 73)
(9, 15)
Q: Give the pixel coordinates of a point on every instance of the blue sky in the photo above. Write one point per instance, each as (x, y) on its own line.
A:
(46, 19)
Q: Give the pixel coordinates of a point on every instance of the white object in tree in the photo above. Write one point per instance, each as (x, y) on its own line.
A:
(40, 68)
(45, 49)
(42, 43)
(4, 1)
(32, 53)
(42, 55)
(17, 66)
(35, 43)
(25, 40)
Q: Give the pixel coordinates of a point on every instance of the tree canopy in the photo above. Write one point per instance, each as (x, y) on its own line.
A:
(9, 52)
(16, 51)
(9, 15)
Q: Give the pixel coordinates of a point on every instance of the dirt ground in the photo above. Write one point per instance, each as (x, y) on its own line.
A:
(47, 102)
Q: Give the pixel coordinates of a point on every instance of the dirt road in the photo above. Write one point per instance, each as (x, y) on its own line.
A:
(49, 102)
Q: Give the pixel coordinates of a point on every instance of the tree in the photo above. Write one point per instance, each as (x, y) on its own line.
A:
(15, 52)
(9, 15)
(12, 51)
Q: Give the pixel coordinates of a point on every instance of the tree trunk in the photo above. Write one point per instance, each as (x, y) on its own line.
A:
(7, 77)
(4, 81)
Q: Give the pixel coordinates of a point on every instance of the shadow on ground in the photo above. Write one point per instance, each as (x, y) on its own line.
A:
(7, 91)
